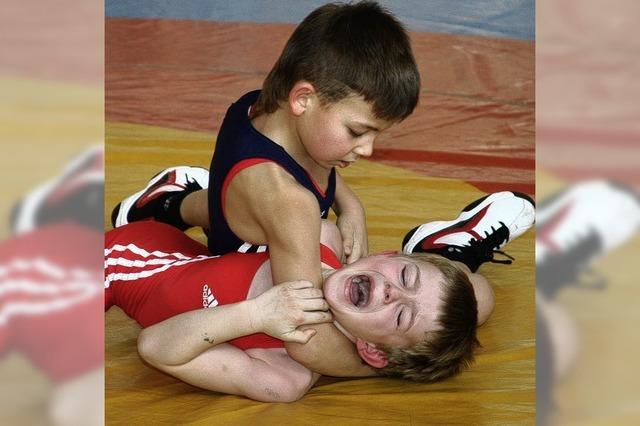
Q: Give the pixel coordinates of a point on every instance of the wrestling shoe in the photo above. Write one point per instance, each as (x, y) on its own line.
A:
(76, 195)
(160, 199)
(481, 229)
(576, 227)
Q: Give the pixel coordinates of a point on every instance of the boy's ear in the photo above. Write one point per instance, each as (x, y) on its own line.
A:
(299, 97)
(372, 355)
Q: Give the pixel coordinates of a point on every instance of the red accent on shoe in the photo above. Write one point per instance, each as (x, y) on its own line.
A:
(429, 242)
(151, 194)
(547, 229)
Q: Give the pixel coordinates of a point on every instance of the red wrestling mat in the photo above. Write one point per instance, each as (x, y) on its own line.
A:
(474, 122)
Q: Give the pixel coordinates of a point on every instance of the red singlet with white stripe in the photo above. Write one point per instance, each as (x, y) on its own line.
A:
(154, 271)
(50, 297)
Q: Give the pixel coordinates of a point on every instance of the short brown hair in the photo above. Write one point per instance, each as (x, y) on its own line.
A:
(346, 49)
(444, 352)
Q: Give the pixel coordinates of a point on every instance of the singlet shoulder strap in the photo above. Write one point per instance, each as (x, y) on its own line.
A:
(328, 257)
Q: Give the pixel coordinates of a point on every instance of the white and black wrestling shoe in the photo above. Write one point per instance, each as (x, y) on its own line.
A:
(160, 199)
(481, 229)
(577, 226)
(76, 195)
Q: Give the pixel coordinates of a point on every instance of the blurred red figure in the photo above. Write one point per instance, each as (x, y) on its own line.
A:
(51, 288)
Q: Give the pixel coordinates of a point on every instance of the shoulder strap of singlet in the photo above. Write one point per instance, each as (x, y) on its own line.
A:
(329, 257)
(268, 149)
(239, 141)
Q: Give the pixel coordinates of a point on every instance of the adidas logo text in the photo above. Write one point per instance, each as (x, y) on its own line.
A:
(208, 300)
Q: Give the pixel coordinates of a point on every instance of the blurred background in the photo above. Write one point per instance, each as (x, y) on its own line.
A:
(587, 182)
(588, 134)
(52, 130)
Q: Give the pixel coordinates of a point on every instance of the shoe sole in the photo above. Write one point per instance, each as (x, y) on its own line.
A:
(121, 211)
(420, 232)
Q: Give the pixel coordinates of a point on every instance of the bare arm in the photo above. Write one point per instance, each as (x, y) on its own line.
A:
(277, 312)
(269, 375)
(264, 203)
(180, 339)
(186, 348)
(191, 347)
(351, 222)
(294, 250)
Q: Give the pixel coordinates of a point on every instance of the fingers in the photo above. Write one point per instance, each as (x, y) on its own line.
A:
(347, 244)
(346, 231)
(303, 290)
(355, 248)
(319, 317)
(309, 293)
(356, 253)
(300, 336)
(310, 305)
(303, 336)
(305, 298)
(299, 284)
(314, 317)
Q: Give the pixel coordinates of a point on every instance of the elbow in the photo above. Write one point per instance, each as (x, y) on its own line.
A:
(284, 397)
(147, 348)
(299, 386)
(297, 389)
(293, 398)
(287, 394)
(285, 388)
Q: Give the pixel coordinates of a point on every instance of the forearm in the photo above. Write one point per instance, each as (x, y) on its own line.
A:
(269, 376)
(345, 199)
(180, 339)
(297, 256)
(329, 352)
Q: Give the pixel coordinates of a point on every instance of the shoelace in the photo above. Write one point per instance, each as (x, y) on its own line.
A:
(570, 267)
(192, 185)
(483, 250)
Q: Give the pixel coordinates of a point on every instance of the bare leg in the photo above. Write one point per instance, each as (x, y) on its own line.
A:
(79, 401)
(484, 292)
(564, 337)
(195, 209)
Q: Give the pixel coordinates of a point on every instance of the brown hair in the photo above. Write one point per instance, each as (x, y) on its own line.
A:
(346, 49)
(444, 352)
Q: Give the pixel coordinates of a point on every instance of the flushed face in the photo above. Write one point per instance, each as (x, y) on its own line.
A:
(338, 134)
(386, 299)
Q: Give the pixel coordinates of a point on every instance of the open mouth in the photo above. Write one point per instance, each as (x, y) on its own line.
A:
(360, 290)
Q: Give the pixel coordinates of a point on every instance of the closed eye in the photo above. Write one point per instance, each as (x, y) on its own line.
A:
(399, 318)
(354, 133)
(403, 276)
(410, 276)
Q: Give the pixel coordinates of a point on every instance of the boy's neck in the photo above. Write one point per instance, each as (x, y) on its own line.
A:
(279, 126)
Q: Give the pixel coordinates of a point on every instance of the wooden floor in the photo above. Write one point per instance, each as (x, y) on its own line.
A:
(168, 84)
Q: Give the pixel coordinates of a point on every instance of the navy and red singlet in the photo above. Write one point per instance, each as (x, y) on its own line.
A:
(239, 145)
